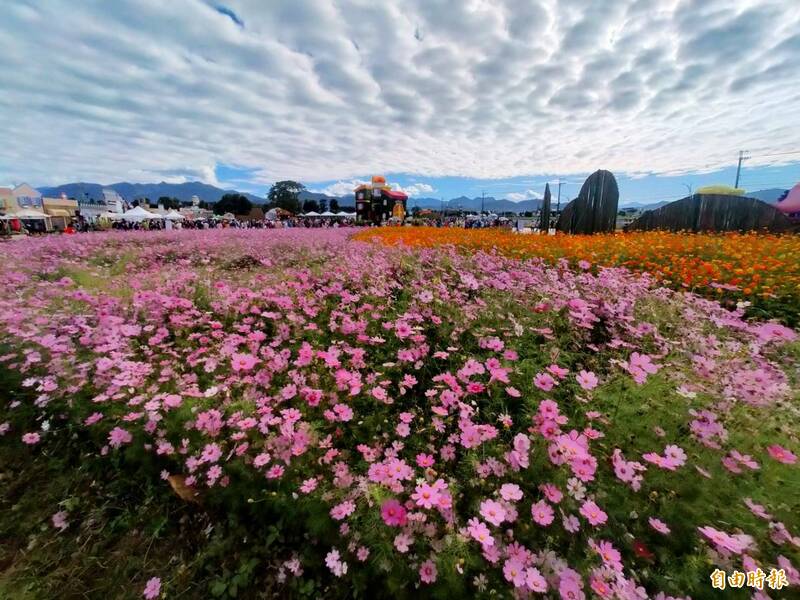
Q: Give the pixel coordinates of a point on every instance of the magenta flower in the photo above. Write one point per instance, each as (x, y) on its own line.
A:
(428, 572)
(658, 525)
(587, 380)
(781, 454)
(152, 588)
(593, 513)
(118, 436)
(510, 492)
(31, 438)
(60, 520)
(493, 512)
(542, 513)
(425, 496)
(544, 381)
(393, 513)
(243, 362)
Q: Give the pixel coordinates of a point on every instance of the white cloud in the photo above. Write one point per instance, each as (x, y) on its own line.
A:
(319, 91)
(526, 195)
(415, 189)
(340, 188)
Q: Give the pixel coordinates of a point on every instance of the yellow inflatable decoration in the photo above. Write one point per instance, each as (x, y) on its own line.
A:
(720, 190)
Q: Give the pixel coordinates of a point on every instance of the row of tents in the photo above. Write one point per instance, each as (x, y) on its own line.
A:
(327, 213)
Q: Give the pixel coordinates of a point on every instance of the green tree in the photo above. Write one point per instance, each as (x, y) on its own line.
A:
(334, 205)
(310, 205)
(168, 202)
(323, 205)
(233, 203)
(284, 195)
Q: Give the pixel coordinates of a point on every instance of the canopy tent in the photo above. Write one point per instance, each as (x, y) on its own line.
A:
(346, 215)
(174, 216)
(328, 213)
(311, 213)
(139, 214)
(109, 215)
(30, 213)
(790, 204)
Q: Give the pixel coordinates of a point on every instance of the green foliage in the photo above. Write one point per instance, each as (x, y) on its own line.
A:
(237, 204)
(284, 195)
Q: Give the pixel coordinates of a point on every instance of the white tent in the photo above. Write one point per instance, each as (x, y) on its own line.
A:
(311, 213)
(346, 215)
(139, 214)
(328, 213)
(109, 215)
(30, 213)
(174, 216)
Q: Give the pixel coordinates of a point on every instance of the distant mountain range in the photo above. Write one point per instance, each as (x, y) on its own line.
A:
(134, 191)
(769, 196)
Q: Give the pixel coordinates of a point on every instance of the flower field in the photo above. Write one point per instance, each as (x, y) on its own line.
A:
(321, 417)
(761, 269)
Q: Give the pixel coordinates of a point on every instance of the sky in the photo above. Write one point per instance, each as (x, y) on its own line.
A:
(444, 97)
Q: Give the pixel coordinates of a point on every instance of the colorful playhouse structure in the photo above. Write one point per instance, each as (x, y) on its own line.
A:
(376, 203)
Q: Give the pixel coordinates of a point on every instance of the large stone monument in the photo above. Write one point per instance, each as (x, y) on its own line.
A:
(714, 212)
(595, 208)
(544, 221)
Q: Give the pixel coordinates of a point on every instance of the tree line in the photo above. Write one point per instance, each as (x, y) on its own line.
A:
(283, 194)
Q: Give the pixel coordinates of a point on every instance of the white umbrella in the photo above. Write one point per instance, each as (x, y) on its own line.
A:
(174, 216)
(139, 214)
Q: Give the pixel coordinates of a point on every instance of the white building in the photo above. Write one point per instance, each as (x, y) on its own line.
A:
(112, 202)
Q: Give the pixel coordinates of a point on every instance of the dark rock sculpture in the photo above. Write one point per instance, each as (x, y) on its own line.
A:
(544, 221)
(713, 212)
(595, 208)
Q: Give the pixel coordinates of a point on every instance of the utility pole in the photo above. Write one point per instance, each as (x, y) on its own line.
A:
(483, 199)
(739, 167)
(558, 203)
(688, 187)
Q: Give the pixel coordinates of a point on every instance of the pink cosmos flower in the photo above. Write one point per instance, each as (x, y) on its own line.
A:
(309, 485)
(480, 532)
(428, 572)
(152, 588)
(757, 509)
(393, 513)
(425, 460)
(542, 513)
(402, 542)
(781, 454)
(60, 520)
(587, 380)
(343, 510)
(243, 362)
(535, 581)
(544, 382)
(551, 492)
(570, 585)
(425, 495)
(514, 572)
(510, 492)
(593, 513)
(658, 525)
(31, 438)
(118, 436)
(493, 512)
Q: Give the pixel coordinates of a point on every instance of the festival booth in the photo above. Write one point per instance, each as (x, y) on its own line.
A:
(34, 220)
(138, 214)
